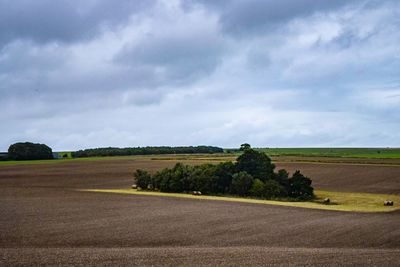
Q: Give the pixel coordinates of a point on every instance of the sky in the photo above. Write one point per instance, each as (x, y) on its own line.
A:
(289, 73)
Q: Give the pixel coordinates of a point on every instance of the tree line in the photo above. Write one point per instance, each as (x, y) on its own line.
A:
(148, 150)
(32, 151)
(253, 174)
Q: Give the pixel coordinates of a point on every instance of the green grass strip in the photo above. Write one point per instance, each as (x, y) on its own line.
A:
(340, 201)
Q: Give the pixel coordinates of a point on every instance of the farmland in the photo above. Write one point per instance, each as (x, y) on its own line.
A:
(46, 219)
(385, 153)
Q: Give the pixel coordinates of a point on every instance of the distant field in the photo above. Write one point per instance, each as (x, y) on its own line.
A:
(215, 158)
(392, 153)
(167, 157)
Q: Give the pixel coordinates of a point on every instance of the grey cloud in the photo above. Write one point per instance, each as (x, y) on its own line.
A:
(173, 58)
(257, 59)
(244, 18)
(174, 76)
(19, 57)
(348, 39)
(142, 97)
(52, 72)
(64, 21)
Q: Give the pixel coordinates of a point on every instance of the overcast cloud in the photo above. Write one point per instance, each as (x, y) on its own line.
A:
(290, 73)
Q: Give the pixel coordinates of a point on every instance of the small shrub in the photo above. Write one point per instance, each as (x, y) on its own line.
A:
(257, 189)
(272, 189)
(143, 178)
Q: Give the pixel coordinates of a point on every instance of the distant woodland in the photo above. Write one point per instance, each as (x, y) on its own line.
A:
(32, 151)
(148, 150)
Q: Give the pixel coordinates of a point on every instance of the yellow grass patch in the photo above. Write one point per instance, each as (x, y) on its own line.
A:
(340, 201)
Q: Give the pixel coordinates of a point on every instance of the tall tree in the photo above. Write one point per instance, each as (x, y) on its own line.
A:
(255, 163)
(244, 146)
(300, 186)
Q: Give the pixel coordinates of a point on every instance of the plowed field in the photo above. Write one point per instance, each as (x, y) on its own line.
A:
(45, 221)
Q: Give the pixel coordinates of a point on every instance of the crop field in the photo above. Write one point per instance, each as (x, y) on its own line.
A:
(385, 153)
(175, 158)
(47, 219)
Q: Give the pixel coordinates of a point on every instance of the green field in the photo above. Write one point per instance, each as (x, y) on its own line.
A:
(386, 153)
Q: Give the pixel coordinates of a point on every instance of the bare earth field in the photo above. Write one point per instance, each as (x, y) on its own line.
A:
(45, 221)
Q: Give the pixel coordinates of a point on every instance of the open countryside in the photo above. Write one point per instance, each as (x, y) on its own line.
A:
(200, 133)
(87, 226)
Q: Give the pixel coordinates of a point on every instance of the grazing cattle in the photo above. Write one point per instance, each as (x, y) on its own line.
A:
(327, 201)
(196, 193)
(388, 203)
(134, 186)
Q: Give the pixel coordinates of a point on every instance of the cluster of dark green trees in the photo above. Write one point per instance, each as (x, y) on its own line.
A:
(29, 151)
(149, 150)
(252, 175)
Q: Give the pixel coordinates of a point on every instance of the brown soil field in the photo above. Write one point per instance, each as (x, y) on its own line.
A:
(336, 160)
(45, 221)
(368, 178)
